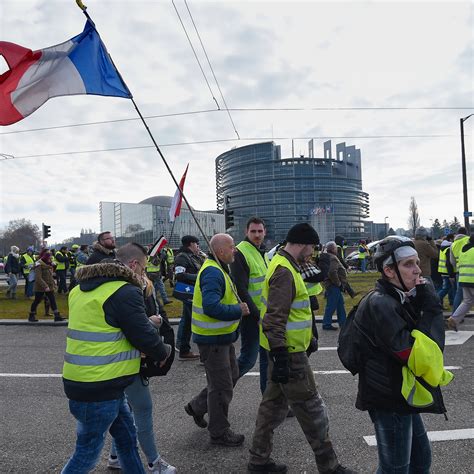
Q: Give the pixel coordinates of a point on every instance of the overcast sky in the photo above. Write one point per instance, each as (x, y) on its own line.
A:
(265, 55)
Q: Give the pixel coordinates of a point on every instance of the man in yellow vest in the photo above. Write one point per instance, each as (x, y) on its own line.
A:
(248, 270)
(460, 240)
(216, 314)
(466, 282)
(108, 329)
(62, 265)
(286, 332)
(27, 262)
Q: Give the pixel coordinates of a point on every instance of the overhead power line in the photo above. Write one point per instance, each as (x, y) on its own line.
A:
(242, 109)
(212, 70)
(195, 55)
(4, 157)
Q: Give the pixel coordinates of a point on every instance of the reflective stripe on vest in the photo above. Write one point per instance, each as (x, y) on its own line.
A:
(257, 267)
(300, 319)
(96, 351)
(169, 256)
(466, 266)
(203, 324)
(442, 266)
(456, 248)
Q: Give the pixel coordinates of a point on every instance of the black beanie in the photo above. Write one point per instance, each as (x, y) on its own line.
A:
(187, 240)
(302, 234)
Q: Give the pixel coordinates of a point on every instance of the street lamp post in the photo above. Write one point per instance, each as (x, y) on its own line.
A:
(464, 176)
(385, 222)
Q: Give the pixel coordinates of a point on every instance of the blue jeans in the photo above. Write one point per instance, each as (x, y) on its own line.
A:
(402, 443)
(335, 302)
(183, 338)
(250, 339)
(457, 294)
(160, 288)
(93, 421)
(29, 287)
(363, 265)
(139, 398)
(446, 289)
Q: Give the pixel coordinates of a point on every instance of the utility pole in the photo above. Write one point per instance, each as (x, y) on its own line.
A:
(467, 214)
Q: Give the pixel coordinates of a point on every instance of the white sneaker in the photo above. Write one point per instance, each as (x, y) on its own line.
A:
(160, 466)
(113, 463)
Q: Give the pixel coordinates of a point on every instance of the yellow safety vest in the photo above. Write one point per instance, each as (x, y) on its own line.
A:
(151, 268)
(28, 261)
(456, 247)
(169, 256)
(313, 289)
(258, 269)
(96, 351)
(466, 266)
(59, 265)
(300, 319)
(202, 323)
(442, 266)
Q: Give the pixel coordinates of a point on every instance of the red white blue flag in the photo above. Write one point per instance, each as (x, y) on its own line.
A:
(175, 208)
(80, 65)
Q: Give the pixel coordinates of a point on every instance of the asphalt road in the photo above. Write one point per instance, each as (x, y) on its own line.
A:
(37, 432)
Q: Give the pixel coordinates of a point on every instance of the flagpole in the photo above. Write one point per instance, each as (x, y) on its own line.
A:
(84, 8)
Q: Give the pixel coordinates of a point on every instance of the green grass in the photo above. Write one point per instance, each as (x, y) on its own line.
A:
(19, 308)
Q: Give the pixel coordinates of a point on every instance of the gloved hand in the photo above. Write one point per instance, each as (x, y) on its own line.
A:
(281, 368)
(313, 346)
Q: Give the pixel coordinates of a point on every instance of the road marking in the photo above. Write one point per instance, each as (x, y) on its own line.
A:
(331, 372)
(454, 338)
(324, 348)
(448, 435)
(32, 375)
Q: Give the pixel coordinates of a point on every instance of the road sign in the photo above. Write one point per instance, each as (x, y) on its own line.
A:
(467, 214)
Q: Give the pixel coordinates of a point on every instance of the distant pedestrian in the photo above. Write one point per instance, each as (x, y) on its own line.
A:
(426, 249)
(82, 256)
(72, 254)
(460, 240)
(446, 270)
(364, 255)
(103, 248)
(27, 263)
(62, 264)
(12, 269)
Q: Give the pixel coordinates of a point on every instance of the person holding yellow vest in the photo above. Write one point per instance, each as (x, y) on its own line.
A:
(460, 240)
(216, 314)
(400, 342)
(286, 331)
(248, 270)
(466, 282)
(108, 329)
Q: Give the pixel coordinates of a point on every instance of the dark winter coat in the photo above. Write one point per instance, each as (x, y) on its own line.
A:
(99, 253)
(187, 266)
(12, 264)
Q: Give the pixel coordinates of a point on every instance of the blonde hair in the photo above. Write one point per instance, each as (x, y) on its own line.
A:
(147, 286)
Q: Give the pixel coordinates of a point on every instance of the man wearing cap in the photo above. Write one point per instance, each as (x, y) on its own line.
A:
(426, 250)
(286, 332)
(187, 265)
(403, 339)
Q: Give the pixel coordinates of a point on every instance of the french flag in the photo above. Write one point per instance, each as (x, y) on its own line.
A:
(80, 65)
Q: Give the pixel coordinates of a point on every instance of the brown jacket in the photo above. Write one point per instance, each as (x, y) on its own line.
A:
(426, 251)
(337, 275)
(281, 293)
(43, 276)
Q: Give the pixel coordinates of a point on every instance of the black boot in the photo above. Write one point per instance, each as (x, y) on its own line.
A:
(270, 467)
(32, 317)
(57, 316)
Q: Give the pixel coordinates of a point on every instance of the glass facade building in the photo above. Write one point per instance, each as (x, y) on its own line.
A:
(145, 222)
(327, 191)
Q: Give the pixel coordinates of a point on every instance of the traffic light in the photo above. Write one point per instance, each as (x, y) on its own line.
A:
(229, 219)
(46, 231)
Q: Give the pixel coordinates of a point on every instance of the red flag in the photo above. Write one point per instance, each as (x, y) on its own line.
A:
(175, 208)
(157, 246)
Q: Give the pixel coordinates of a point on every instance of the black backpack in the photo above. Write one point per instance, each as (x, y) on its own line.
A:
(150, 367)
(348, 344)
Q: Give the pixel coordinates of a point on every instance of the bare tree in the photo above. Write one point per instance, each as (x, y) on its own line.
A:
(22, 233)
(414, 217)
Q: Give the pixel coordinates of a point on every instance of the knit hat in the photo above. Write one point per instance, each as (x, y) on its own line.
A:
(302, 234)
(187, 240)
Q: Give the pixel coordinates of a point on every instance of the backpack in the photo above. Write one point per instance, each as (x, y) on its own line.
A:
(348, 344)
(150, 367)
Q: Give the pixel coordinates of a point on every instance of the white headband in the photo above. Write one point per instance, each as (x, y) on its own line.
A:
(401, 253)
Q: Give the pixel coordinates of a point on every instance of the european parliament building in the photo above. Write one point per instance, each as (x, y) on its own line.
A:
(254, 180)
(146, 221)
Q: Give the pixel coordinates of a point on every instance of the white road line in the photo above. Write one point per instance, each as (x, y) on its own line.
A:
(325, 348)
(454, 338)
(448, 435)
(32, 375)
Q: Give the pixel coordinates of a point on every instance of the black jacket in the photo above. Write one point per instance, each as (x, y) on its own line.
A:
(12, 264)
(388, 324)
(125, 309)
(187, 266)
(99, 253)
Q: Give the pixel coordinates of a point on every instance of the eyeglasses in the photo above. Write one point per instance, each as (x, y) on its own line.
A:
(109, 238)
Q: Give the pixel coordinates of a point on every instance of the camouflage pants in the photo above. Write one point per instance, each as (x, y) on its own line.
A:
(309, 408)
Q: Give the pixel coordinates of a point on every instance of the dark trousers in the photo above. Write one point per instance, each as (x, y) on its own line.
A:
(183, 338)
(61, 276)
(39, 296)
(302, 395)
(222, 372)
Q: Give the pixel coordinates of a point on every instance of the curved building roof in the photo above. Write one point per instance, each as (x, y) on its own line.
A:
(164, 201)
